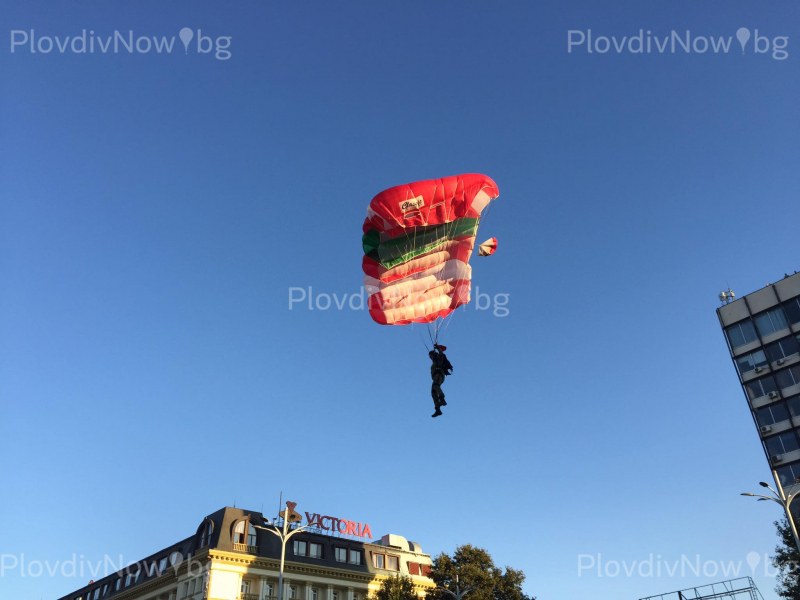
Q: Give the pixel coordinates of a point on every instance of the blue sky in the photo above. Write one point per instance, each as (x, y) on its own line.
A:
(158, 209)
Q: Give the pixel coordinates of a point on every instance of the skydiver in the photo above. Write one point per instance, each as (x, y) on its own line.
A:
(440, 368)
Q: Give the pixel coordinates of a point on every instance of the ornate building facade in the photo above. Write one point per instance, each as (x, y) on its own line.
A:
(232, 556)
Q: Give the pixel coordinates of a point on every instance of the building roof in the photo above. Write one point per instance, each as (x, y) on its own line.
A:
(217, 532)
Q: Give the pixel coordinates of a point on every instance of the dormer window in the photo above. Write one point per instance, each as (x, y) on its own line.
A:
(244, 537)
(206, 529)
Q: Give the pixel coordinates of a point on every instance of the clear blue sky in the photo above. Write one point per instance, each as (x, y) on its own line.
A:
(158, 208)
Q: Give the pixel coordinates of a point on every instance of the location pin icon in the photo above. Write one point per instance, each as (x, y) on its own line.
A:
(742, 34)
(187, 34)
(753, 558)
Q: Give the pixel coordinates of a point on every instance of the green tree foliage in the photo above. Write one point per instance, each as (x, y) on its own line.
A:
(396, 588)
(478, 574)
(787, 561)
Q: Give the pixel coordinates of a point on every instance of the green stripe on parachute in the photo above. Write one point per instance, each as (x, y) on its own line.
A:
(418, 241)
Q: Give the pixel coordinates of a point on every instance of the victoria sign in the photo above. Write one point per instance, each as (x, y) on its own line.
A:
(335, 524)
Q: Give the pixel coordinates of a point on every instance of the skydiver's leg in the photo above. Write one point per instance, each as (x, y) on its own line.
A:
(437, 394)
(440, 379)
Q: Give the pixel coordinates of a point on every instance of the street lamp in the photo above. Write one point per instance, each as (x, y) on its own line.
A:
(458, 594)
(289, 515)
(780, 498)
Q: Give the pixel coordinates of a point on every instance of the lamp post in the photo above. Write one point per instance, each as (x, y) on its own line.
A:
(780, 498)
(458, 594)
(284, 533)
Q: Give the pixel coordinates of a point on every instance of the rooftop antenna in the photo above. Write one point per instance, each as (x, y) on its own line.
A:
(727, 296)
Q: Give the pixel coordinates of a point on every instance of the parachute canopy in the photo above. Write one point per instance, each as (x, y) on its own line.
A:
(488, 247)
(417, 242)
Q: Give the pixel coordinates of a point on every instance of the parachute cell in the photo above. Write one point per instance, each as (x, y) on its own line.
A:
(417, 242)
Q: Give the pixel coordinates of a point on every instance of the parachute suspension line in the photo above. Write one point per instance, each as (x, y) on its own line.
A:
(419, 335)
(447, 320)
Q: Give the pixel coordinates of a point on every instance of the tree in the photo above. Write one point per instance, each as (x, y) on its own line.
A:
(787, 561)
(477, 573)
(396, 588)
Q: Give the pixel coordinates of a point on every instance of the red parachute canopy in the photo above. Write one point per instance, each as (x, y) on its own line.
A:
(417, 242)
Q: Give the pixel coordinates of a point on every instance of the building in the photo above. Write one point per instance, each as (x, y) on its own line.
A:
(763, 334)
(229, 558)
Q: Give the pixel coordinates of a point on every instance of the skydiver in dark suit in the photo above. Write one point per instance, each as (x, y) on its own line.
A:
(440, 368)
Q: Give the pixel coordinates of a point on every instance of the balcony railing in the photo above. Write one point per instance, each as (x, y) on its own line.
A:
(245, 548)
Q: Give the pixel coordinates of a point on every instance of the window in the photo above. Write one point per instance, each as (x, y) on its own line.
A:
(314, 550)
(334, 594)
(96, 593)
(771, 321)
(348, 555)
(788, 474)
(788, 377)
(382, 561)
(774, 413)
(750, 361)
(792, 308)
(314, 594)
(782, 348)
(238, 533)
(117, 584)
(105, 589)
(245, 586)
(292, 592)
(162, 565)
(741, 333)
(782, 443)
(240, 537)
(151, 569)
(205, 534)
(300, 548)
(270, 591)
(760, 387)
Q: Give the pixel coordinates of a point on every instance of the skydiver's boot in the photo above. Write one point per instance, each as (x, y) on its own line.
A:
(438, 413)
